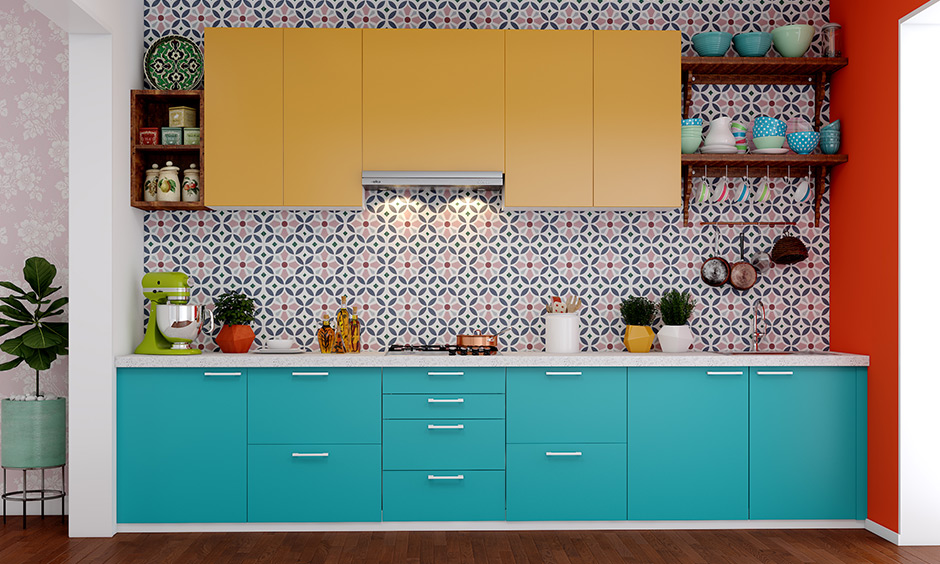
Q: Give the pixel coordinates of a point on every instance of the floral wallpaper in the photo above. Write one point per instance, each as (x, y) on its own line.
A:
(34, 73)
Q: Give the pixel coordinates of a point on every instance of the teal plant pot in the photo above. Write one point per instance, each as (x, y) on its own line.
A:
(33, 433)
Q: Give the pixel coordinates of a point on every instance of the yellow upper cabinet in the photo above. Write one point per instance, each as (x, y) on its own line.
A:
(244, 130)
(637, 101)
(549, 122)
(432, 99)
(323, 117)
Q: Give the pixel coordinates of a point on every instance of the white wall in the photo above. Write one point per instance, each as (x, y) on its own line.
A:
(919, 460)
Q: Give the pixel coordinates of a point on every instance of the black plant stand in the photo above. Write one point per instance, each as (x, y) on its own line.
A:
(26, 495)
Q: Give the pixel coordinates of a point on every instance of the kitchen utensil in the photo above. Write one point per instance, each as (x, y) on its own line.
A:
(173, 322)
(478, 339)
(788, 249)
(562, 333)
(173, 62)
(558, 306)
(743, 274)
(573, 304)
(761, 261)
(793, 40)
(715, 269)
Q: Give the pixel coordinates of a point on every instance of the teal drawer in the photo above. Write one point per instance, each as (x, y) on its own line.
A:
(444, 406)
(314, 483)
(444, 380)
(566, 405)
(470, 444)
(314, 405)
(444, 496)
(566, 482)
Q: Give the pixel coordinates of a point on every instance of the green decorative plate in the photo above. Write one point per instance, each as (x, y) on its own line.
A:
(173, 62)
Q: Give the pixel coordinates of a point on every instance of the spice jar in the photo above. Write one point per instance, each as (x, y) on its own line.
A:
(832, 40)
(191, 185)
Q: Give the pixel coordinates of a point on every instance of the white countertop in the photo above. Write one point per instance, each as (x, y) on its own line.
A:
(374, 359)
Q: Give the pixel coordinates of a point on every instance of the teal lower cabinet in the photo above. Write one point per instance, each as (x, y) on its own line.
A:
(472, 495)
(566, 482)
(181, 445)
(687, 443)
(314, 483)
(448, 444)
(806, 443)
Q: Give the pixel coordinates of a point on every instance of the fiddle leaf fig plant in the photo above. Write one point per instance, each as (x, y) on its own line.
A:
(41, 338)
(234, 308)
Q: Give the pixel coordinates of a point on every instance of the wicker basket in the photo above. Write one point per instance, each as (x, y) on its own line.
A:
(788, 250)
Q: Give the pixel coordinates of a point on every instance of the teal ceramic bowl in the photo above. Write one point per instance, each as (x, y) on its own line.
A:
(752, 44)
(711, 43)
(829, 146)
(793, 40)
(690, 144)
(769, 142)
(803, 142)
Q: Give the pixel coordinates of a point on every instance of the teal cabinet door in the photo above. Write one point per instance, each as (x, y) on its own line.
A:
(314, 405)
(444, 444)
(566, 482)
(444, 496)
(803, 449)
(687, 443)
(566, 405)
(314, 483)
(181, 445)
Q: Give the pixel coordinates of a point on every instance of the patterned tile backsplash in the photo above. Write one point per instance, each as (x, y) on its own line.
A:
(425, 266)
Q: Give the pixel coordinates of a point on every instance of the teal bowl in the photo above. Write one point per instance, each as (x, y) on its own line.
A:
(829, 146)
(690, 144)
(803, 142)
(793, 40)
(752, 44)
(711, 43)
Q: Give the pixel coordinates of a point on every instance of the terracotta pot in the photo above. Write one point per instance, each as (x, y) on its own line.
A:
(639, 338)
(235, 338)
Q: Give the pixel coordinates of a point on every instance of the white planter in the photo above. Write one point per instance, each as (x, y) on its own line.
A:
(675, 338)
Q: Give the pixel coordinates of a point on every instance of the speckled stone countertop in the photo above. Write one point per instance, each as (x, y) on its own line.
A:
(374, 359)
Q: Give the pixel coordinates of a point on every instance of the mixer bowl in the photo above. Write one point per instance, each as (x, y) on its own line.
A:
(180, 324)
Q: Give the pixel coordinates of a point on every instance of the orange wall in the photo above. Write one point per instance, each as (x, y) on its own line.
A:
(864, 227)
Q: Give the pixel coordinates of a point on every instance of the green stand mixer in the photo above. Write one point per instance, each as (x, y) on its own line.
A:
(174, 322)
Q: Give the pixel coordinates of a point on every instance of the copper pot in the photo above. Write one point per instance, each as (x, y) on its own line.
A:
(477, 340)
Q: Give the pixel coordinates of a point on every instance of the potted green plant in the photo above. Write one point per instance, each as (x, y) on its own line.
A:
(235, 311)
(638, 314)
(33, 426)
(676, 309)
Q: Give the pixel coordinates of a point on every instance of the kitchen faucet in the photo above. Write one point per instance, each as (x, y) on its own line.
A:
(759, 330)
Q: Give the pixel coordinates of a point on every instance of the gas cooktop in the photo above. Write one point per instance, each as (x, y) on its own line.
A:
(452, 350)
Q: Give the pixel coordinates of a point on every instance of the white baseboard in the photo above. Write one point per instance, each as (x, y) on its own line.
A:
(883, 532)
(484, 526)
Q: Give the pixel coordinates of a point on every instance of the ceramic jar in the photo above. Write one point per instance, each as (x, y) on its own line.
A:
(150, 184)
(168, 183)
(191, 187)
(719, 132)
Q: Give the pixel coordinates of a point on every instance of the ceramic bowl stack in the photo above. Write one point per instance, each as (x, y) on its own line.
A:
(803, 142)
(769, 134)
(739, 130)
(691, 135)
(830, 138)
(711, 43)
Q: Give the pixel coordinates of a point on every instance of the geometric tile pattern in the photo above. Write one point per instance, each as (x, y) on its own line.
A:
(424, 266)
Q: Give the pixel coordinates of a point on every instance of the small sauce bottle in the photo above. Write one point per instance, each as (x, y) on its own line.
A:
(355, 333)
(326, 336)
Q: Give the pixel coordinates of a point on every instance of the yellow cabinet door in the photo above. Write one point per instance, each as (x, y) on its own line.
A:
(549, 123)
(323, 117)
(432, 99)
(244, 129)
(637, 103)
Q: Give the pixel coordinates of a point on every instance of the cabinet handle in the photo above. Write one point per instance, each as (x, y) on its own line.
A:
(578, 453)
(445, 373)
(310, 373)
(563, 373)
(309, 454)
(433, 477)
(784, 373)
(445, 426)
(712, 373)
(222, 373)
(434, 400)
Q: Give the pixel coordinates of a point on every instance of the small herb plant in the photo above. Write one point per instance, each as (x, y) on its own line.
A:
(637, 311)
(43, 339)
(234, 308)
(676, 307)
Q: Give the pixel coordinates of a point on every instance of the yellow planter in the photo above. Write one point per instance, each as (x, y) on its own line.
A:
(639, 338)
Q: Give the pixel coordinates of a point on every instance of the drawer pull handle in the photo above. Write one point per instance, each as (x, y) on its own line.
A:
(783, 373)
(310, 373)
(712, 373)
(310, 454)
(222, 373)
(435, 400)
(445, 373)
(563, 373)
(446, 426)
(578, 453)
(433, 477)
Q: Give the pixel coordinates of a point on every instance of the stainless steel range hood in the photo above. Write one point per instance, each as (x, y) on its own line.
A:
(390, 179)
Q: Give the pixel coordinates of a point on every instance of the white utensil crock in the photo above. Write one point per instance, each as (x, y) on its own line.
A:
(562, 333)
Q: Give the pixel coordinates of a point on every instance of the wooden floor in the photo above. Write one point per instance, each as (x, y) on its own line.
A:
(46, 542)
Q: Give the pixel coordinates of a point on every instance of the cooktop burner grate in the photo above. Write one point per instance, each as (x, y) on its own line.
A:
(452, 350)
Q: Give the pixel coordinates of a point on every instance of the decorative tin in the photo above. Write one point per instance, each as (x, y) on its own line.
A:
(173, 62)
(150, 184)
(190, 136)
(171, 135)
(149, 135)
(191, 184)
(182, 116)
